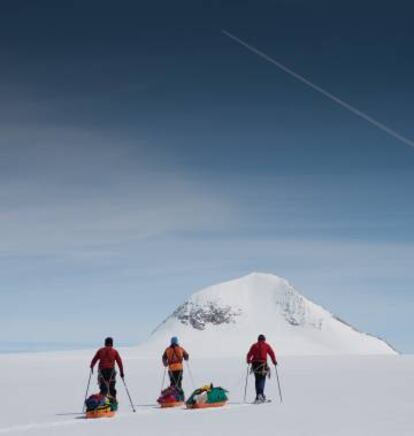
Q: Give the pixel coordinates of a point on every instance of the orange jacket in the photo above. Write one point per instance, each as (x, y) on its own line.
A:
(173, 357)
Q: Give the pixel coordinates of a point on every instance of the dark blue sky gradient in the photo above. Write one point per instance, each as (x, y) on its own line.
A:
(129, 67)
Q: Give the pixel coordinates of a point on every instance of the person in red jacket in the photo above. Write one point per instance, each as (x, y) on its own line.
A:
(257, 358)
(107, 356)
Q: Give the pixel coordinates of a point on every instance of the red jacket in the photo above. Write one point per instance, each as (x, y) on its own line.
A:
(259, 351)
(107, 357)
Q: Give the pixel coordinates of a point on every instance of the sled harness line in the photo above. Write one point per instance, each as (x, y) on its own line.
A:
(105, 381)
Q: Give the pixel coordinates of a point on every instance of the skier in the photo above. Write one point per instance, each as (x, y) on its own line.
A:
(107, 357)
(257, 357)
(173, 359)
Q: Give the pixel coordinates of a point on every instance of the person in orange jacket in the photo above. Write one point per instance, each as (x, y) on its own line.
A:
(257, 358)
(107, 356)
(173, 358)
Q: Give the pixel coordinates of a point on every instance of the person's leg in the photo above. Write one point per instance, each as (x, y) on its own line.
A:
(107, 382)
(179, 379)
(176, 378)
(172, 380)
(181, 396)
(103, 383)
(257, 384)
(262, 383)
(112, 383)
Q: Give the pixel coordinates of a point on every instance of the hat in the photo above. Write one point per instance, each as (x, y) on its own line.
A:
(261, 338)
(174, 340)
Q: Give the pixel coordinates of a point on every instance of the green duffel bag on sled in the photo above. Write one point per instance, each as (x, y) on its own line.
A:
(207, 396)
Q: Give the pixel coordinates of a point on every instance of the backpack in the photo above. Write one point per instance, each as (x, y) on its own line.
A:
(171, 395)
(94, 402)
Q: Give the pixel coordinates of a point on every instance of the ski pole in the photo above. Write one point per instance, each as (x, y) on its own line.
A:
(129, 396)
(278, 384)
(87, 390)
(245, 386)
(163, 379)
(190, 374)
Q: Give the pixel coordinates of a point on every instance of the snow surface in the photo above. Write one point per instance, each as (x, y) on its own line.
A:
(323, 396)
(354, 384)
(226, 318)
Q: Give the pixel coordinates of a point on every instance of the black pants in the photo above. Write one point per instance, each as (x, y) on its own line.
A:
(260, 383)
(261, 371)
(107, 381)
(176, 378)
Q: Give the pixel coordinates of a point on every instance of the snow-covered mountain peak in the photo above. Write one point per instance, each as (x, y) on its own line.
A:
(256, 294)
(228, 316)
(247, 286)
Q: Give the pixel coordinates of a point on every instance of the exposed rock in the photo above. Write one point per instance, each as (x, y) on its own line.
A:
(210, 313)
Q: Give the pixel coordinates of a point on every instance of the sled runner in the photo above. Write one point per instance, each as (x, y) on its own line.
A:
(172, 404)
(205, 405)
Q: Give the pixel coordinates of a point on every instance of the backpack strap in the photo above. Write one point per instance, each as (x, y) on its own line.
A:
(179, 359)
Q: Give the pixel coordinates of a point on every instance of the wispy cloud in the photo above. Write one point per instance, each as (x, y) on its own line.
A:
(73, 190)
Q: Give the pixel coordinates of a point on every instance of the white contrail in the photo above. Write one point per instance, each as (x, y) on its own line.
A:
(322, 91)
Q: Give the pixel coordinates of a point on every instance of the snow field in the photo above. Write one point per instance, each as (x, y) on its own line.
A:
(323, 396)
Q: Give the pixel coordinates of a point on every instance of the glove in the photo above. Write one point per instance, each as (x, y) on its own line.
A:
(91, 370)
(275, 363)
(122, 375)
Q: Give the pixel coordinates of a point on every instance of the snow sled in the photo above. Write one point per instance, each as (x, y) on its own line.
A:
(100, 413)
(171, 397)
(207, 396)
(100, 406)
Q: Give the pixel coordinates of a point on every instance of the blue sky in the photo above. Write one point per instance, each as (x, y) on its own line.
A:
(143, 155)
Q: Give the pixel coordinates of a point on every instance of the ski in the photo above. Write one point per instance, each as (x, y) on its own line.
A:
(261, 402)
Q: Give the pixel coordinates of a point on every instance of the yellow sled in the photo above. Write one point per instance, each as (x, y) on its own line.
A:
(100, 413)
